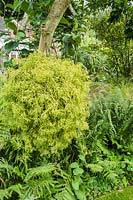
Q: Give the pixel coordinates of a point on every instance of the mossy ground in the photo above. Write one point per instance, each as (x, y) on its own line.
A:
(125, 194)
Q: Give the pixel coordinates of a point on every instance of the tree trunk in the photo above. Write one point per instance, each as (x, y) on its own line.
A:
(47, 30)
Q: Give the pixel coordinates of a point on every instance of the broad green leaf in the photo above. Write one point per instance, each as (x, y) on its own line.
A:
(74, 165)
(9, 5)
(64, 21)
(82, 157)
(80, 195)
(78, 171)
(124, 181)
(75, 184)
(25, 7)
(11, 46)
(95, 168)
(77, 38)
(17, 4)
(21, 34)
(47, 2)
(8, 63)
(12, 26)
(76, 25)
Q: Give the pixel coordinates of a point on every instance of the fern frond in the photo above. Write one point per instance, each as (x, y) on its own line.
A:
(111, 176)
(4, 165)
(4, 134)
(95, 168)
(65, 194)
(40, 187)
(6, 193)
(39, 171)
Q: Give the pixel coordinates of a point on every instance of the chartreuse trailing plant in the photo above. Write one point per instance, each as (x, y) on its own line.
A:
(46, 102)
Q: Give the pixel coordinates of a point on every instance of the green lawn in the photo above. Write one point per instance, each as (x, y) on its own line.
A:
(125, 194)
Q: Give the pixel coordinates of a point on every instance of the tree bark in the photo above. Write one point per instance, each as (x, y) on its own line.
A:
(48, 28)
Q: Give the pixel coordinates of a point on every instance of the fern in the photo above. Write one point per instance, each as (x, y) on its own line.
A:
(95, 168)
(65, 194)
(4, 194)
(39, 171)
(39, 181)
(112, 177)
(4, 133)
(5, 167)
(41, 187)
(7, 193)
(111, 119)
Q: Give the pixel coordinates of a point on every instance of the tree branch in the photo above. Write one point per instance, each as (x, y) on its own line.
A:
(47, 29)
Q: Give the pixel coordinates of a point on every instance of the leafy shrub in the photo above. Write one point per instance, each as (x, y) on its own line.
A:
(45, 102)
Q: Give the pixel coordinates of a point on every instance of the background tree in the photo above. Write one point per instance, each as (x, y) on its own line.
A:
(11, 9)
(66, 33)
(47, 30)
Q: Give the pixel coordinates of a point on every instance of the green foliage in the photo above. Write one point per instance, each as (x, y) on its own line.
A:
(34, 183)
(127, 194)
(115, 47)
(93, 164)
(45, 102)
(8, 9)
(109, 140)
(111, 118)
(43, 105)
(4, 130)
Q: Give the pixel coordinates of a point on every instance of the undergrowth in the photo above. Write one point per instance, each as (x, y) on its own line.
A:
(95, 163)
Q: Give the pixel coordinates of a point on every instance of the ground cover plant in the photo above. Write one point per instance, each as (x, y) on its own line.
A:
(120, 195)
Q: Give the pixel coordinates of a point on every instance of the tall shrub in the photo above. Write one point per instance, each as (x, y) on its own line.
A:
(45, 102)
